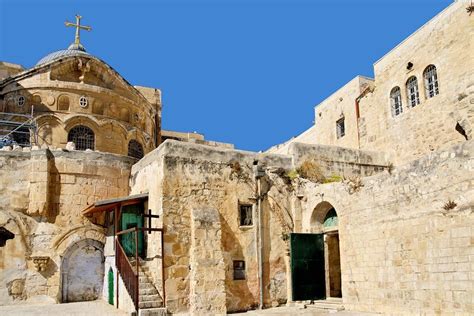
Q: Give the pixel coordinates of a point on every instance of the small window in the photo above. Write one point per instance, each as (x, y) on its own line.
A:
(20, 101)
(412, 92)
(135, 149)
(245, 215)
(340, 128)
(239, 270)
(396, 101)
(83, 102)
(22, 136)
(431, 81)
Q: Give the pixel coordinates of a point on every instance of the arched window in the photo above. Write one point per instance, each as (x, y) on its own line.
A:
(82, 136)
(22, 136)
(135, 149)
(412, 91)
(396, 101)
(431, 81)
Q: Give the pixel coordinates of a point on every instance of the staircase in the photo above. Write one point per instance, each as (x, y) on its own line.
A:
(150, 302)
(331, 304)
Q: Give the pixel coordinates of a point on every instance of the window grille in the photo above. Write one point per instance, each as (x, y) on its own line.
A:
(412, 91)
(396, 101)
(239, 270)
(340, 128)
(82, 136)
(83, 102)
(21, 101)
(431, 81)
(135, 149)
(245, 215)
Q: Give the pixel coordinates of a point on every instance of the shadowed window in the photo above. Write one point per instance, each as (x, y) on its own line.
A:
(245, 215)
(83, 137)
(340, 128)
(239, 270)
(135, 149)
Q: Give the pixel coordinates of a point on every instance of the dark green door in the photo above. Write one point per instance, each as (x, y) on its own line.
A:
(307, 266)
(131, 217)
(110, 277)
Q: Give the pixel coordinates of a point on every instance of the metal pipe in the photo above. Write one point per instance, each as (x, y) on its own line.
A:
(260, 242)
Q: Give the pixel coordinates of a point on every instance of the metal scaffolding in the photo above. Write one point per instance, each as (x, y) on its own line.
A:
(18, 129)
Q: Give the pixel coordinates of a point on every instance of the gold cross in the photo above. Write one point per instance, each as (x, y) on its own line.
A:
(78, 27)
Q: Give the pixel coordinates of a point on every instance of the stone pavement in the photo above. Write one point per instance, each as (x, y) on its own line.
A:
(298, 310)
(93, 308)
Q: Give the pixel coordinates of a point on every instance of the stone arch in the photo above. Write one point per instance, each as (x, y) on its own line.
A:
(319, 216)
(82, 271)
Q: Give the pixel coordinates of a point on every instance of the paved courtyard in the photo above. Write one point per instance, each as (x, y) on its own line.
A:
(310, 311)
(93, 308)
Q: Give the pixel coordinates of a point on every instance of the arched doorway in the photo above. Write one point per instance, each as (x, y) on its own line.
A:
(82, 271)
(324, 220)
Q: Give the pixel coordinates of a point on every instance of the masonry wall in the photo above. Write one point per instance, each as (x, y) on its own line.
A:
(43, 193)
(446, 42)
(197, 179)
(403, 248)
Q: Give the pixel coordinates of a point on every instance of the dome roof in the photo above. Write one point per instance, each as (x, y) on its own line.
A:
(73, 50)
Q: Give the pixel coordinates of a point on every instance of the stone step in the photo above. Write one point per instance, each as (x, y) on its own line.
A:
(145, 286)
(150, 304)
(150, 298)
(161, 311)
(148, 291)
(330, 304)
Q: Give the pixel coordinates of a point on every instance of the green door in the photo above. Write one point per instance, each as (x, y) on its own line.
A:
(111, 286)
(131, 217)
(307, 266)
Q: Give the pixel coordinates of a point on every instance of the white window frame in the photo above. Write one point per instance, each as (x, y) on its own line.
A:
(413, 95)
(396, 101)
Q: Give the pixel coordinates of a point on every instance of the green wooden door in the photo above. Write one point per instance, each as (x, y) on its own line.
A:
(110, 277)
(307, 266)
(131, 217)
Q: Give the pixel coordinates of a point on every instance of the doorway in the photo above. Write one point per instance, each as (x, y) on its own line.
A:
(315, 257)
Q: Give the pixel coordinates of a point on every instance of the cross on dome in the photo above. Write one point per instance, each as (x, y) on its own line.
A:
(77, 41)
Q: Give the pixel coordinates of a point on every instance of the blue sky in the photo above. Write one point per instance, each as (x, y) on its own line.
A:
(244, 72)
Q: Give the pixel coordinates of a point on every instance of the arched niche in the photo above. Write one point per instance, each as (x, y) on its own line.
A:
(323, 218)
(82, 271)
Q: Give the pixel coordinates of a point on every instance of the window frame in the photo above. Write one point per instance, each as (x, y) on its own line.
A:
(242, 205)
(340, 127)
(135, 143)
(396, 108)
(76, 129)
(413, 93)
(431, 89)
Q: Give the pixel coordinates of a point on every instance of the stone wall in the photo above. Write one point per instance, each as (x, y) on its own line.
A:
(197, 177)
(43, 193)
(404, 247)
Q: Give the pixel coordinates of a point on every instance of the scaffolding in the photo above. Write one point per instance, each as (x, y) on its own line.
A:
(18, 129)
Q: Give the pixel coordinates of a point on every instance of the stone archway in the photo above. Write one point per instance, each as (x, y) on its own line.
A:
(324, 220)
(82, 271)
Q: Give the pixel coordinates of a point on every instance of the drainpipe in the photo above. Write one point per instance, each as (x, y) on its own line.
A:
(259, 173)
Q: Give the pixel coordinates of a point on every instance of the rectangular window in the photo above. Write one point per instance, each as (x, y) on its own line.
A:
(239, 270)
(245, 213)
(340, 128)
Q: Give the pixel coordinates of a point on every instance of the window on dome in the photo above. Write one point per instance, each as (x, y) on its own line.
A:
(135, 149)
(83, 137)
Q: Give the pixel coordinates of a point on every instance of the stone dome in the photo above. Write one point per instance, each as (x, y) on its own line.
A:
(72, 50)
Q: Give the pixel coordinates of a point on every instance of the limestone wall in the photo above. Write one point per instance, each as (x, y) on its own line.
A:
(196, 178)
(403, 248)
(446, 42)
(43, 193)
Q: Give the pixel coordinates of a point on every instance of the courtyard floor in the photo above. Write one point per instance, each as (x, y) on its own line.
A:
(93, 308)
(310, 311)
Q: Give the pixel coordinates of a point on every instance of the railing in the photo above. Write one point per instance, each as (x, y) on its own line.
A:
(124, 266)
(129, 276)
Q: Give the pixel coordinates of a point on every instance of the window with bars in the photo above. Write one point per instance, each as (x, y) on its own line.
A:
(246, 218)
(412, 91)
(135, 149)
(83, 137)
(396, 101)
(340, 128)
(431, 81)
